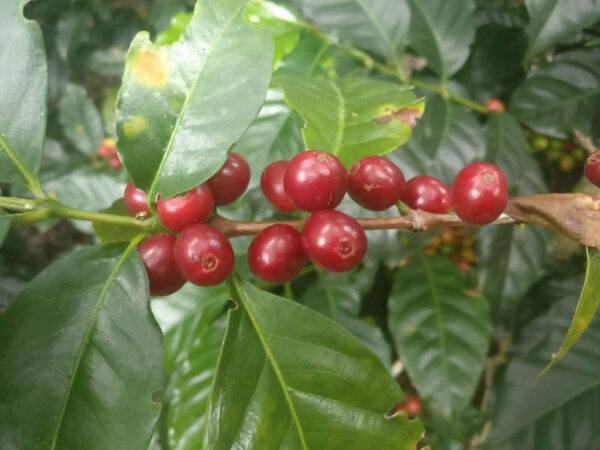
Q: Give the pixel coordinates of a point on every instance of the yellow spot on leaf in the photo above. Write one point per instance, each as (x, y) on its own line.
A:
(150, 69)
(79, 129)
(135, 126)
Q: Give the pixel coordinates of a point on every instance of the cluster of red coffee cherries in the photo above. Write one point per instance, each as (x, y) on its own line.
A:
(313, 181)
(108, 149)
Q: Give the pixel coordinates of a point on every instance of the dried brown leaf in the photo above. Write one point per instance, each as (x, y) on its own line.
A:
(575, 215)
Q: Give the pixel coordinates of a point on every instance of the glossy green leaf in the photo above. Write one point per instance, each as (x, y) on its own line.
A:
(4, 225)
(81, 356)
(497, 53)
(511, 258)
(23, 90)
(178, 111)
(279, 21)
(442, 331)
(80, 120)
(561, 410)
(441, 31)
(553, 20)
(380, 26)
(446, 139)
(194, 346)
(557, 97)
(585, 311)
(115, 233)
(353, 117)
(339, 296)
(306, 383)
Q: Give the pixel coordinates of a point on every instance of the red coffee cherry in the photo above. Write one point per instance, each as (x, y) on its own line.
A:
(334, 240)
(204, 255)
(427, 193)
(494, 104)
(375, 183)
(412, 405)
(115, 162)
(479, 193)
(158, 255)
(135, 200)
(271, 183)
(231, 181)
(315, 180)
(592, 168)
(275, 255)
(193, 206)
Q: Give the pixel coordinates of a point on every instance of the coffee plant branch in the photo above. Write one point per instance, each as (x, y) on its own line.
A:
(575, 215)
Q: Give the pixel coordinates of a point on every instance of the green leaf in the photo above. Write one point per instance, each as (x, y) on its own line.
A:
(23, 90)
(353, 117)
(279, 21)
(179, 23)
(115, 233)
(565, 400)
(558, 96)
(446, 139)
(441, 32)
(553, 20)
(510, 258)
(339, 296)
(86, 189)
(195, 345)
(275, 134)
(81, 355)
(380, 26)
(4, 225)
(304, 382)
(442, 331)
(585, 311)
(497, 53)
(80, 120)
(179, 111)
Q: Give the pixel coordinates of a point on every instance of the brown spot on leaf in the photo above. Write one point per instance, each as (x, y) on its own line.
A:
(575, 215)
(408, 116)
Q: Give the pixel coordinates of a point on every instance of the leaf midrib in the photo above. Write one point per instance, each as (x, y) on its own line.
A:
(246, 303)
(339, 137)
(88, 331)
(151, 192)
(438, 317)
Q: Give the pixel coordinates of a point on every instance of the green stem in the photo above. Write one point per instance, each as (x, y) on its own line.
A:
(32, 182)
(403, 208)
(36, 210)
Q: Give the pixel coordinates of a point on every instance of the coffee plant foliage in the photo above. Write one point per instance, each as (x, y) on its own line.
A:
(490, 331)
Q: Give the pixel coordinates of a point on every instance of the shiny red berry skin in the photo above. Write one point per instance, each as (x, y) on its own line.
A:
(412, 405)
(375, 183)
(592, 168)
(494, 104)
(204, 255)
(193, 206)
(479, 193)
(315, 180)
(135, 200)
(275, 255)
(158, 255)
(427, 193)
(271, 183)
(231, 181)
(334, 240)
